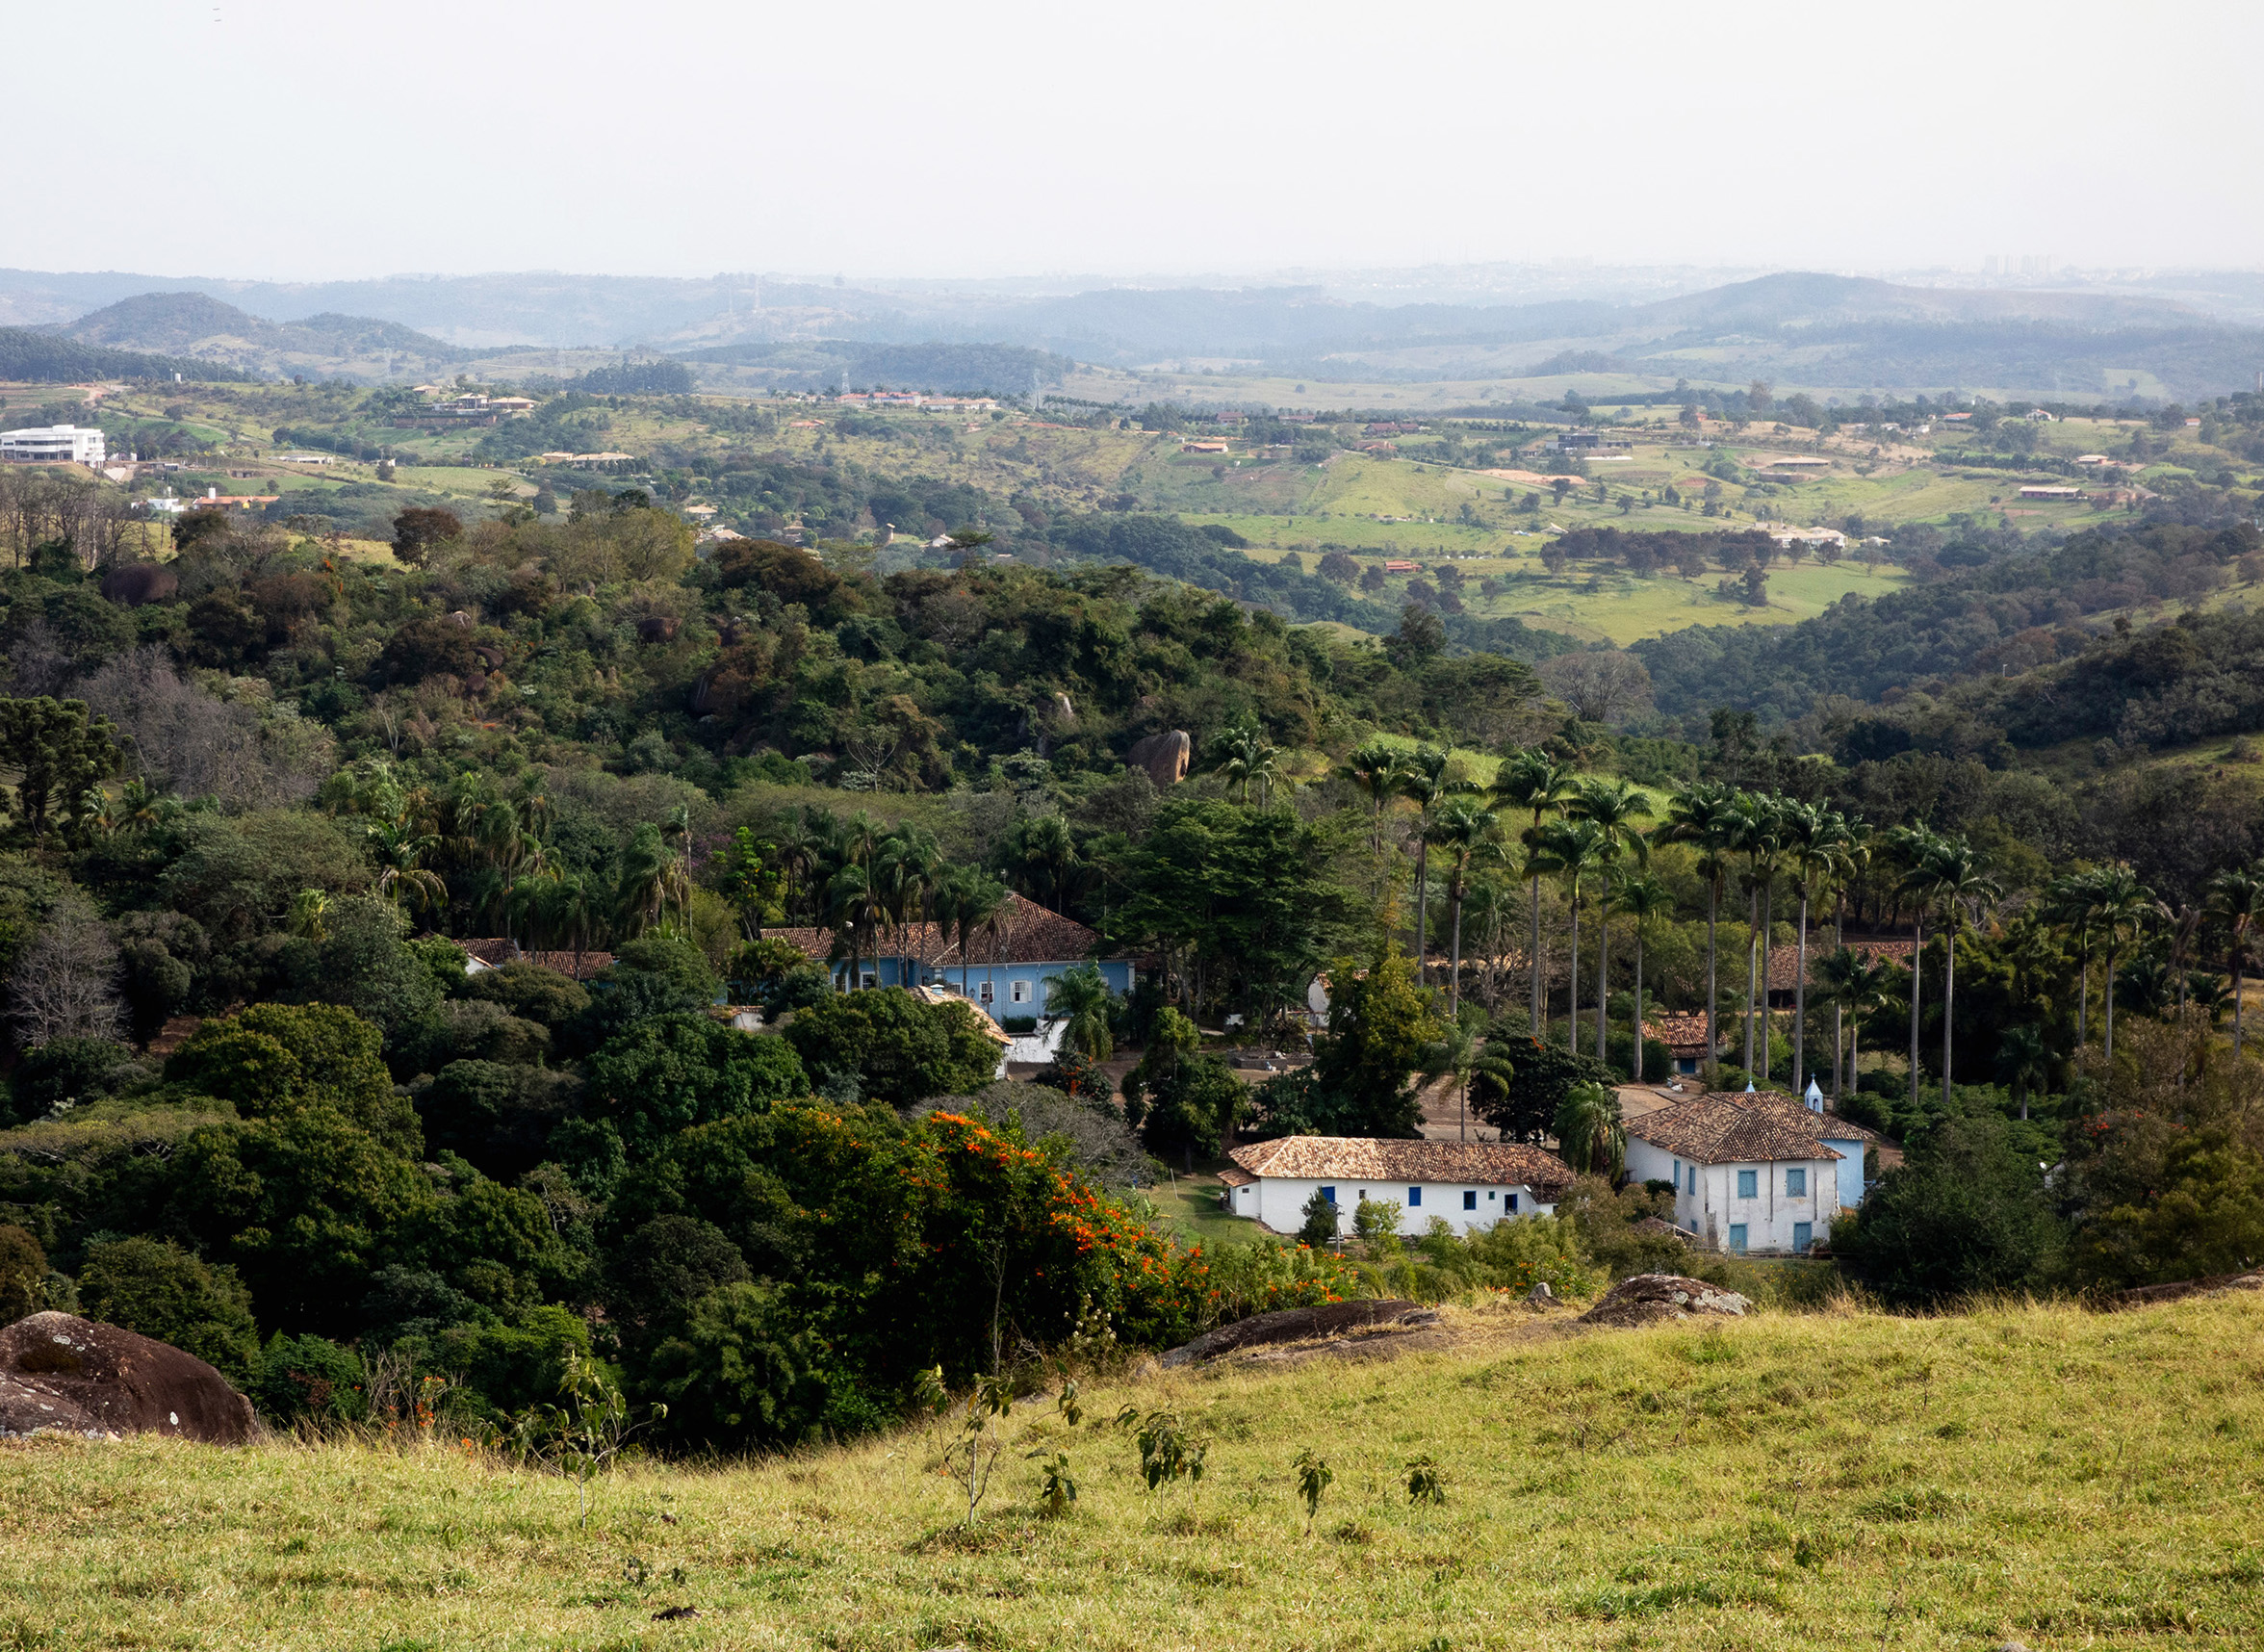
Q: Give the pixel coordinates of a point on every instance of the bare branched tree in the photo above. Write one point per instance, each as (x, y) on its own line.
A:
(65, 980)
(184, 739)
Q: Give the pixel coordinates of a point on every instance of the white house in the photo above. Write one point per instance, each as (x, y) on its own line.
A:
(1757, 1171)
(1468, 1185)
(51, 444)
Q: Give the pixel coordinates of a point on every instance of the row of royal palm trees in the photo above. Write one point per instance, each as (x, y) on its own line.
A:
(1541, 821)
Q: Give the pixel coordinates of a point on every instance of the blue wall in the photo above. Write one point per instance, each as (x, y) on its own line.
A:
(907, 973)
(1850, 1168)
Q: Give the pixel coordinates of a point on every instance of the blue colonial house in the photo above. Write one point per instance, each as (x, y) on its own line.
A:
(1005, 970)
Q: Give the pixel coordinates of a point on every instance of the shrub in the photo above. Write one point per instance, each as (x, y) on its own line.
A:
(159, 1290)
(895, 1046)
(310, 1378)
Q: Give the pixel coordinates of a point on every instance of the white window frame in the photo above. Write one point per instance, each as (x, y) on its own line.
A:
(985, 992)
(1017, 992)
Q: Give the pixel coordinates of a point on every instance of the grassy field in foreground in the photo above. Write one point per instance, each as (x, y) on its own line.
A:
(1840, 1479)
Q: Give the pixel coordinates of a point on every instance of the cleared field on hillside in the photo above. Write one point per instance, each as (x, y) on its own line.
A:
(1781, 1483)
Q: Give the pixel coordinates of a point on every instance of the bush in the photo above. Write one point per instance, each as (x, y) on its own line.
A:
(744, 1372)
(161, 1291)
(65, 1069)
(894, 1046)
(1965, 1212)
(310, 1378)
(23, 1274)
(664, 1074)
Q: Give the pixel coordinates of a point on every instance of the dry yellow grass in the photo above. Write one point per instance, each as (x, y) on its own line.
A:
(1830, 1481)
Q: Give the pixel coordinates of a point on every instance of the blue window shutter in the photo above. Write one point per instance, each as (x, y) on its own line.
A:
(1414, 1198)
(1749, 1184)
(1470, 1199)
(1797, 1181)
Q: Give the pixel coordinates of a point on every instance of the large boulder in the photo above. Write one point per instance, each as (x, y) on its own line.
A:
(1166, 756)
(1648, 1299)
(1298, 1324)
(66, 1375)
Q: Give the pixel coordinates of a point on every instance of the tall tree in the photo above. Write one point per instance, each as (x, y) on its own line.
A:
(1426, 783)
(1537, 784)
(1613, 807)
(1574, 851)
(1644, 899)
(1704, 815)
(2124, 907)
(1756, 833)
(2236, 898)
(1457, 829)
(60, 756)
(1959, 883)
(1914, 845)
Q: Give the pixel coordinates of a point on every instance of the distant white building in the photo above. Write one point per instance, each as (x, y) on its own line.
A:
(1468, 1185)
(52, 444)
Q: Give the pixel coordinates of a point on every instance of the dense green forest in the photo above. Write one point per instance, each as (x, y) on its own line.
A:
(259, 1103)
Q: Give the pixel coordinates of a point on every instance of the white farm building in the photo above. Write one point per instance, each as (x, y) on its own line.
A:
(1467, 1185)
(1757, 1171)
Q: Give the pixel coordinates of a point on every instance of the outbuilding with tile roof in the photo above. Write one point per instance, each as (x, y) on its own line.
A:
(1469, 1185)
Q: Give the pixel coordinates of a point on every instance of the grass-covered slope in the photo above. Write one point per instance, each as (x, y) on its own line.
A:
(1837, 1481)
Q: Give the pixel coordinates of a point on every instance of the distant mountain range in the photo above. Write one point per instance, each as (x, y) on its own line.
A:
(1799, 330)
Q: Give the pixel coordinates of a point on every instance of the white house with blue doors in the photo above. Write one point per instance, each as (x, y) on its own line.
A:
(1757, 1171)
(1468, 1185)
(1004, 971)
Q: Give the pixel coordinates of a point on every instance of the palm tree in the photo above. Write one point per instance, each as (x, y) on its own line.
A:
(976, 899)
(1535, 781)
(309, 915)
(1852, 857)
(650, 881)
(1455, 1053)
(1858, 984)
(1423, 782)
(1915, 844)
(1754, 827)
(1571, 849)
(1703, 815)
(906, 867)
(2024, 1059)
(1613, 807)
(1813, 839)
(1246, 758)
(2071, 902)
(1590, 1135)
(399, 852)
(1961, 885)
(1641, 898)
(1373, 769)
(1458, 827)
(2236, 898)
(2122, 906)
(1081, 998)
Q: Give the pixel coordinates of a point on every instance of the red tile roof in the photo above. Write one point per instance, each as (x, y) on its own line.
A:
(1027, 934)
(574, 966)
(1682, 1031)
(1355, 1158)
(1729, 1127)
(1783, 964)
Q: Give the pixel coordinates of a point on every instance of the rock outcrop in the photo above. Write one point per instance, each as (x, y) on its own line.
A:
(1166, 756)
(66, 1375)
(1647, 1298)
(1298, 1324)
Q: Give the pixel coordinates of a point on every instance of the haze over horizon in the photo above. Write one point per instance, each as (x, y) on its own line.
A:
(1013, 143)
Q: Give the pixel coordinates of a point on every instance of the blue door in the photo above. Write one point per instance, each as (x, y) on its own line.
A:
(1737, 1237)
(1803, 1236)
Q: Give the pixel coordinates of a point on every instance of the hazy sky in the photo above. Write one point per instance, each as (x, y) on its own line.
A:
(668, 137)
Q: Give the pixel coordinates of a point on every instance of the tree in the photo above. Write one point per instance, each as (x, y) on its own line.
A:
(275, 1060)
(1756, 832)
(1815, 845)
(1080, 997)
(1320, 1223)
(1954, 877)
(1611, 808)
(1424, 781)
(1374, 770)
(1856, 982)
(1704, 815)
(1456, 1054)
(668, 1072)
(1599, 685)
(744, 1371)
(1967, 1212)
(1459, 828)
(23, 1274)
(417, 533)
(1524, 1105)
(60, 756)
(1575, 851)
(1590, 1133)
(2236, 900)
(1246, 758)
(64, 984)
(1645, 900)
(1379, 1025)
(896, 1046)
(1539, 784)
(2121, 907)
(159, 1290)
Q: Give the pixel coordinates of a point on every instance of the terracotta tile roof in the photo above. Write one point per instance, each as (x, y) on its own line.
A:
(1783, 964)
(176, 1032)
(1234, 1175)
(1356, 1158)
(574, 966)
(1727, 1127)
(1027, 934)
(1682, 1031)
(495, 950)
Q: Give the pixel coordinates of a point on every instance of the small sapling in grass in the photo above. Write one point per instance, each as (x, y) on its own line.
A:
(1056, 1489)
(1427, 1483)
(1314, 1475)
